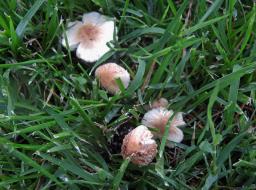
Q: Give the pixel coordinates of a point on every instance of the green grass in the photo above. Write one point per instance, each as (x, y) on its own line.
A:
(56, 124)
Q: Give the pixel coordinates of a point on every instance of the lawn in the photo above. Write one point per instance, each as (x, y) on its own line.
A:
(60, 129)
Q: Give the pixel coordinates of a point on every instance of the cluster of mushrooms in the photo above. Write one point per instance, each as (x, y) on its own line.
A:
(90, 38)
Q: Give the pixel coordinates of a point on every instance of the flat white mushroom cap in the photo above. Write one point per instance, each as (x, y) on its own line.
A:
(90, 37)
(107, 75)
(159, 117)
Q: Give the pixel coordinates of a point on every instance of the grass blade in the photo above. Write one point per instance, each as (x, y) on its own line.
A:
(25, 20)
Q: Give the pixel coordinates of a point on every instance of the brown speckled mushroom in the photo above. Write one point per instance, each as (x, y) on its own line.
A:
(139, 146)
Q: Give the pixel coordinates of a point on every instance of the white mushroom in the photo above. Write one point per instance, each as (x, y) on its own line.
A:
(107, 75)
(139, 146)
(90, 37)
(159, 117)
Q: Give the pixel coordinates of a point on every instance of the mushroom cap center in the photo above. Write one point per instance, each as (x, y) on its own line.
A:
(88, 33)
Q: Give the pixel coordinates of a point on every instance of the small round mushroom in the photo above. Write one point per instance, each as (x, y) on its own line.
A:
(159, 117)
(107, 75)
(139, 146)
(90, 36)
(161, 102)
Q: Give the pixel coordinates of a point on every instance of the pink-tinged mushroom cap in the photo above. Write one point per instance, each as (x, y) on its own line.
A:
(159, 117)
(139, 146)
(107, 75)
(90, 36)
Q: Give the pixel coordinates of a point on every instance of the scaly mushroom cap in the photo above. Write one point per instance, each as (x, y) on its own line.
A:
(107, 75)
(159, 117)
(139, 146)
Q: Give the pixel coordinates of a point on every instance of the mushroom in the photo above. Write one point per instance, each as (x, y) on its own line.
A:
(161, 102)
(139, 146)
(159, 117)
(90, 37)
(107, 75)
